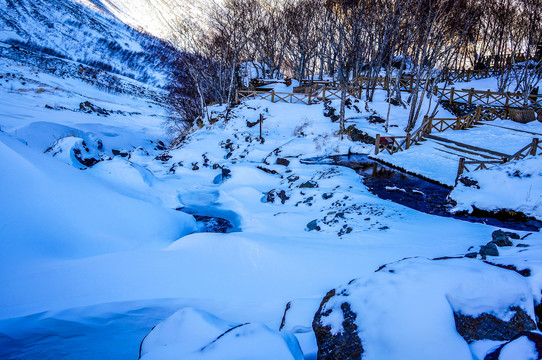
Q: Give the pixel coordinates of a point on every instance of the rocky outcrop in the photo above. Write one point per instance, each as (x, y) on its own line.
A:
(344, 344)
(490, 327)
(403, 307)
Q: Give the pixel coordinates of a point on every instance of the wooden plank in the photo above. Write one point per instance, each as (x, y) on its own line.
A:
(470, 152)
(471, 147)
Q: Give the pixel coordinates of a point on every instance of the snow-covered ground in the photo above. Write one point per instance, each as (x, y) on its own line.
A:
(91, 258)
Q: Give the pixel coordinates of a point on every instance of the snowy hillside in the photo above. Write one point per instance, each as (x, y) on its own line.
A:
(83, 33)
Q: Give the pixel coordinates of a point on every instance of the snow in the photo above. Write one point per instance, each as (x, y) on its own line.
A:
(194, 334)
(521, 348)
(514, 186)
(405, 310)
(83, 247)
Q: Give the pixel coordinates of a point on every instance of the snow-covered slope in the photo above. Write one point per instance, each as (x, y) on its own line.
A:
(159, 17)
(84, 33)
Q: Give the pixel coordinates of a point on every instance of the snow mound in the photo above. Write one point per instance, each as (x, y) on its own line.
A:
(406, 310)
(195, 334)
(72, 214)
(514, 186)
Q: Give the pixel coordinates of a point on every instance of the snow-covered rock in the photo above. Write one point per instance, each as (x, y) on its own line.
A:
(195, 334)
(525, 346)
(406, 310)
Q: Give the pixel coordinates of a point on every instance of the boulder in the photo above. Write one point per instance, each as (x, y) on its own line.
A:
(308, 185)
(283, 161)
(525, 346)
(344, 344)
(500, 238)
(313, 225)
(408, 310)
(490, 327)
(490, 249)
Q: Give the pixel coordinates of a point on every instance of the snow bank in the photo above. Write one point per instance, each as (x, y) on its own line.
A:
(513, 186)
(195, 334)
(406, 310)
(53, 210)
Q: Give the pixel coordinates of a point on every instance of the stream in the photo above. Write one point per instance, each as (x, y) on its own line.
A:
(415, 192)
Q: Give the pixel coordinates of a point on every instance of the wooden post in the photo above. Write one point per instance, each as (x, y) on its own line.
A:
(468, 75)
(411, 84)
(488, 94)
(377, 144)
(534, 147)
(430, 125)
(507, 105)
(460, 169)
(236, 96)
(436, 90)
(324, 92)
(261, 121)
(386, 81)
(407, 141)
(452, 96)
(359, 92)
(273, 95)
(458, 123)
(478, 112)
(470, 95)
(310, 96)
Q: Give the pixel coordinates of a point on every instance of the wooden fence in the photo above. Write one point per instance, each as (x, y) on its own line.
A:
(531, 149)
(393, 144)
(488, 98)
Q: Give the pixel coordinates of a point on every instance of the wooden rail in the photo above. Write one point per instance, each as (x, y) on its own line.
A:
(392, 145)
(275, 97)
(488, 98)
(531, 149)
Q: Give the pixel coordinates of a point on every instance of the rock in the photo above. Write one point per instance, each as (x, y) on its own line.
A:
(121, 153)
(308, 185)
(292, 178)
(538, 313)
(271, 195)
(345, 344)
(313, 225)
(471, 255)
(468, 182)
(406, 305)
(282, 196)
(283, 161)
(490, 249)
(500, 238)
(327, 196)
(357, 135)
(164, 157)
(226, 173)
(512, 235)
(525, 346)
(489, 327)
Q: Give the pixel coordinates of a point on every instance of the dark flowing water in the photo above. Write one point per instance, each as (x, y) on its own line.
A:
(212, 219)
(417, 193)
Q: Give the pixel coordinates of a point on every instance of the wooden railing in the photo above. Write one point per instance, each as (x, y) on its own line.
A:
(393, 144)
(275, 97)
(488, 98)
(468, 75)
(531, 149)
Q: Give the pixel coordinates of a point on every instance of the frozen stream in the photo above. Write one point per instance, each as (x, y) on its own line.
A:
(414, 192)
